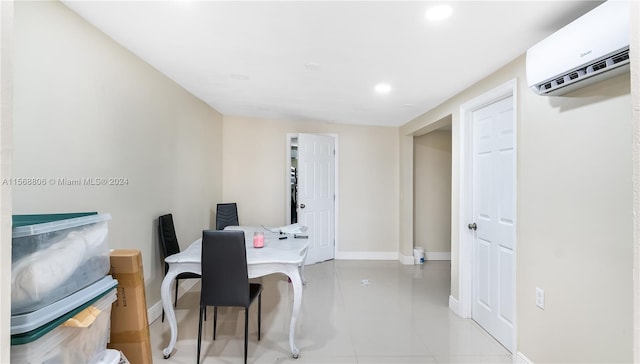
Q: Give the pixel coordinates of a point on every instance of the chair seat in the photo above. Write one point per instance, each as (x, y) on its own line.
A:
(188, 275)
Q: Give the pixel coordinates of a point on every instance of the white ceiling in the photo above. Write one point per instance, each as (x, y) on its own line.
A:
(320, 60)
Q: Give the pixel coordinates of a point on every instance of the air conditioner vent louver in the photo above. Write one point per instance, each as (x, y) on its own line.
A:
(620, 57)
(589, 70)
(596, 66)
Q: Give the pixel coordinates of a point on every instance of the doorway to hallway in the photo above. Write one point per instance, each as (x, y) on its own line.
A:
(432, 192)
(311, 196)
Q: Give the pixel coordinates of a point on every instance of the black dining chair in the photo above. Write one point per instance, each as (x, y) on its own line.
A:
(169, 245)
(226, 215)
(225, 279)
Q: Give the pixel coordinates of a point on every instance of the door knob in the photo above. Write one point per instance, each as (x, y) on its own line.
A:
(473, 226)
(302, 206)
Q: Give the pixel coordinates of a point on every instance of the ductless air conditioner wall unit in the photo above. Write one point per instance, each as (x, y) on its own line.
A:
(588, 50)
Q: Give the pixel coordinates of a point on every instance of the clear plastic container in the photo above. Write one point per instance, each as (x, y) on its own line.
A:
(28, 322)
(109, 356)
(56, 344)
(53, 259)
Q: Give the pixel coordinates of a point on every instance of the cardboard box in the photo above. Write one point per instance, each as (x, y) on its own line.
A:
(129, 322)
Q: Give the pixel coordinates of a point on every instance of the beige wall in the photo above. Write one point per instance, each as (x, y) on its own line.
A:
(575, 224)
(86, 107)
(254, 176)
(574, 216)
(432, 191)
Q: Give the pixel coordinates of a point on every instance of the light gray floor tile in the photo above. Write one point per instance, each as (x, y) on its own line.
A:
(353, 312)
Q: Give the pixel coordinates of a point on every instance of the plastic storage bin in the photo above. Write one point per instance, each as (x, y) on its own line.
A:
(54, 344)
(56, 256)
(75, 302)
(109, 356)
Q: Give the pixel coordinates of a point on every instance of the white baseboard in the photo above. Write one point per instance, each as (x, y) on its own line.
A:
(155, 311)
(521, 359)
(437, 255)
(454, 306)
(368, 256)
(406, 259)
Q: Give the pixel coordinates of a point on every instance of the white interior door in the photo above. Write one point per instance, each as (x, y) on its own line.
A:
(316, 194)
(494, 219)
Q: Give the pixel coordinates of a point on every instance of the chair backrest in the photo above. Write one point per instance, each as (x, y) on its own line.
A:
(226, 215)
(225, 281)
(167, 236)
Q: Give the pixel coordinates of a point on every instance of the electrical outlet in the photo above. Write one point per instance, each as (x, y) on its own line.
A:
(540, 297)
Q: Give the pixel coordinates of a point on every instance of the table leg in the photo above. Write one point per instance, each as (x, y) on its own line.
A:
(169, 313)
(296, 282)
(301, 266)
(301, 270)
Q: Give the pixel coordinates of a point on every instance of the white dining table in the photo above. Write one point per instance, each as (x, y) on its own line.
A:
(284, 256)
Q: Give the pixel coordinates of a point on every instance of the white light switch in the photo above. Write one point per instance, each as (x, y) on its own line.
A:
(540, 297)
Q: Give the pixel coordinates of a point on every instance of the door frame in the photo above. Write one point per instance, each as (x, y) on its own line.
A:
(287, 196)
(465, 248)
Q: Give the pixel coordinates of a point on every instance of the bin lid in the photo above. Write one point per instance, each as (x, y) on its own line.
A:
(26, 225)
(34, 219)
(30, 326)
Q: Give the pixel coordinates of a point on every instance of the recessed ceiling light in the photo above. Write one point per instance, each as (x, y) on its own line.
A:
(439, 12)
(382, 88)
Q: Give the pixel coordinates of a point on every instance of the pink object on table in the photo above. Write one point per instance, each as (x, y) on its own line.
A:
(258, 239)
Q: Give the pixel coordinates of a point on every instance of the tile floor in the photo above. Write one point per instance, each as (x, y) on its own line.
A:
(353, 312)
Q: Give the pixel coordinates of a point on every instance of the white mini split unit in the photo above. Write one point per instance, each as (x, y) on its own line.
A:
(588, 50)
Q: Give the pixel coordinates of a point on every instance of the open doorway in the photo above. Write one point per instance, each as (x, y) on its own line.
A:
(293, 180)
(432, 192)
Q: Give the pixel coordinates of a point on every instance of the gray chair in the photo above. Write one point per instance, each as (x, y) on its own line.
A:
(225, 279)
(169, 245)
(226, 215)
